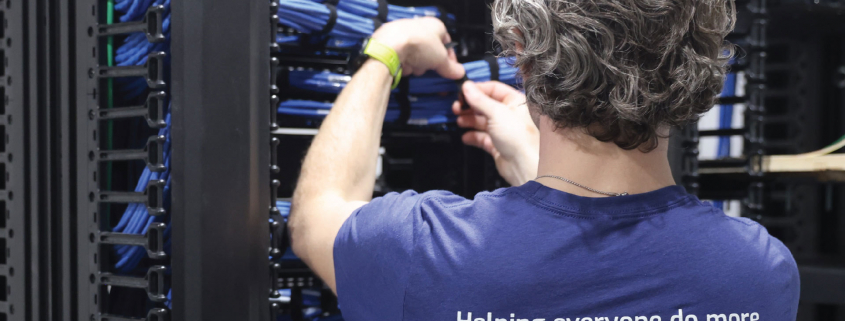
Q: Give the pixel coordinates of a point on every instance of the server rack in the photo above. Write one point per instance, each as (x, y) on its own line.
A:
(217, 109)
(791, 54)
(224, 73)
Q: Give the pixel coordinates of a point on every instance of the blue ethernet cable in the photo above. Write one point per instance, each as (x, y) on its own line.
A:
(726, 116)
(425, 110)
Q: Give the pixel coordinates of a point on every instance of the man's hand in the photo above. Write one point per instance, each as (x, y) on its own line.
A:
(503, 128)
(420, 44)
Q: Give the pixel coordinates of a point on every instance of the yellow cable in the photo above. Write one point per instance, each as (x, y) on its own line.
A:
(827, 150)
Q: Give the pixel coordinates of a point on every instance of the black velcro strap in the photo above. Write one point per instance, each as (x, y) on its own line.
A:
(376, 23)
(493, 62)
(382, 10)
(331, 2)
(461, 99)
(443, 16)
(332, 19)
(404, 101)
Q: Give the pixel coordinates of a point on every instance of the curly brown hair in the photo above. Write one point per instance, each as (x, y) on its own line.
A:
(620, 69)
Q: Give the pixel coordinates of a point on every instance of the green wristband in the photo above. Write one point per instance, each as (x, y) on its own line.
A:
(387, 56)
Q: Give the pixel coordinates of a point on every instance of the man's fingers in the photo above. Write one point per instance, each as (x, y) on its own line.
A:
(475, 121)
(478, 100)
(451, 69)
(497, 90)
(481, 140)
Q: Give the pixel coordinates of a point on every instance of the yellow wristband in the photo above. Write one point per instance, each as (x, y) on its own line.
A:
(387, 56)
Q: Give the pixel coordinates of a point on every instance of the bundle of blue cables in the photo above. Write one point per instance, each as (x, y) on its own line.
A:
(133, 51)
(425, 110)
(429, 83)
(311, 17)
(135, 48)
(353, 22)
(432, 106)
(329, 42)
(369, 9)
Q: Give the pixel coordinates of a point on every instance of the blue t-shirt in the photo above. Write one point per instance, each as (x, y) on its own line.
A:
(535, 253)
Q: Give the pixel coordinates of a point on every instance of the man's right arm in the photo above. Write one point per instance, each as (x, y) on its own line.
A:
(503, 127)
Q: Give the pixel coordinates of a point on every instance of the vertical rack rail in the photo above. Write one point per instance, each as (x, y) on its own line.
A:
(755, 112)
(19, 297)
(88, 51)
(278, 225)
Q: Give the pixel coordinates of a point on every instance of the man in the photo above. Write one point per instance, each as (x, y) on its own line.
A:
(594, 229)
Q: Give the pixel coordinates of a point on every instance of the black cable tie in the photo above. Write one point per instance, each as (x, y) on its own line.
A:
(443, 16)
(376, 23)
(382, 10)
(332, 19)
(493, 62)
(461, 99)
(331, 2)
(404, 101)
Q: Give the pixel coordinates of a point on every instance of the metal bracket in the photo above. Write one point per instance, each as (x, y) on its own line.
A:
(152, 111)
(274, 150)
(153, 282)
(275, 268)
(274, 64)
(274, 188)
(152, 197)
(280, 237)
(152, 153)
(152, 70)
(152, 25)
(152, 241)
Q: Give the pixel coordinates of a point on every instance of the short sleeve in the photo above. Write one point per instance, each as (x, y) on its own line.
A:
(372, 257)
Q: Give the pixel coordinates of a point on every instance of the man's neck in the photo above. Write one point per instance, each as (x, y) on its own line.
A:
(579, 157)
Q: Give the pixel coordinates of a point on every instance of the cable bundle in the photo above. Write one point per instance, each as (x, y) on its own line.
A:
(327, 42)
(375, 8)
(312, 17)
(430, 83)
(347, 22)
(135, 48)
(425, 110)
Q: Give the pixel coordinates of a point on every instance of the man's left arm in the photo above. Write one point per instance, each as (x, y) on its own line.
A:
(338, 173)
